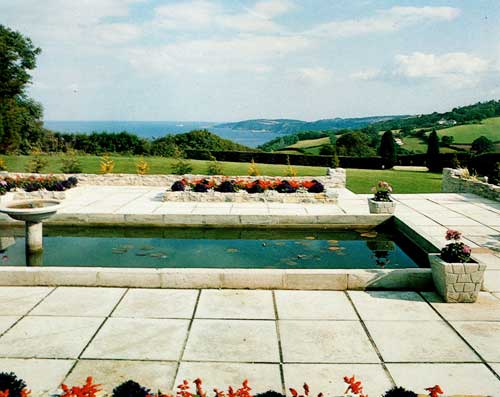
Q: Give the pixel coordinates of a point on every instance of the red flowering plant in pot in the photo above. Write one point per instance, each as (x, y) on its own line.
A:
(457, 278)
(381, 202)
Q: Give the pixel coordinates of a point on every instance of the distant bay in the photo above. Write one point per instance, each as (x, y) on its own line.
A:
(157, 129)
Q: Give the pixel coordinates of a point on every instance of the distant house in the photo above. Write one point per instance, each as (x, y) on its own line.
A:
(446, 122)
(398, 141)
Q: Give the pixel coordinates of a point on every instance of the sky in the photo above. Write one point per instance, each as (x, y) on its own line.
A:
(221, 60)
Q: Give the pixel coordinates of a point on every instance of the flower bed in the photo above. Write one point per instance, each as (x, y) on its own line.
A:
(12, 386)
(36, 187)
(245, 190)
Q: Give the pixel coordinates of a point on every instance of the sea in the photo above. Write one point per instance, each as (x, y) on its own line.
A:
(158, 129)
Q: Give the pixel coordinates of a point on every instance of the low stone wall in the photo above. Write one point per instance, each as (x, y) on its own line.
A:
(452, 183)
(329, 197)
(335, 178)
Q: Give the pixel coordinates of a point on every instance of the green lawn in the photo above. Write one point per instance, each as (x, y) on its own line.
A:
(489, 128)
(416, 144)
(158, 165)
(359, 181)
(310, 143)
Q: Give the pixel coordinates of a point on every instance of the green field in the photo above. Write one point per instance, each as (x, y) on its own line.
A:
(416, 145)
(490, 128)
(310, 143)
(359, 181)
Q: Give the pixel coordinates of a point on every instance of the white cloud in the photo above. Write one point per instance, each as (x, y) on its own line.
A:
(203, 14)
(389, 20)
(247, 53)
(366, 74)
(456, 68)
(314, 75)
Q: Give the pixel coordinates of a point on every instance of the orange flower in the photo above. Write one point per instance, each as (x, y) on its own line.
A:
(294, 184)
(434, 391)
(4, 393)
(199, 389)
(355, 386)
(89, 389)
(25, 392)
(308, 184)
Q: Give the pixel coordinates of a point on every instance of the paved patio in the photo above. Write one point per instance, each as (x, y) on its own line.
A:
(277, 339)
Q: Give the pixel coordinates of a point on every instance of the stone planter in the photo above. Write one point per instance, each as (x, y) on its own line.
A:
(457, 282)
(381, 207)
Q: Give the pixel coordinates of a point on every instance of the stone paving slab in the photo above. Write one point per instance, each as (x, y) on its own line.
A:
(79, 302)
(43, 377)
(157, 303)
(19, 300)
(487, 308)
(328, 378)
(6, 322)
(156, 375)
(471, 379)
(314, 305)
(48, 337)
(392, 305)
(232, 340)
(261, 377)
(409, 341)
(236, 304)
(139, 339)
(325, 342)
(484, 336)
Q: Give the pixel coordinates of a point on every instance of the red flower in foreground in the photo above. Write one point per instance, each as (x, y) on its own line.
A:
(184, 389)
(434, 391)
(355, 386)
(4, 393)
(199, 389)
(89, 389)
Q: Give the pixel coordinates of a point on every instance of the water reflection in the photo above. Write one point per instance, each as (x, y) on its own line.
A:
(381, 251)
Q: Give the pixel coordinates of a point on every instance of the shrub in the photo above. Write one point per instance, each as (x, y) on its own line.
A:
(253, 170)
(178, 186)
(130, 389)
(214, 167)
(285, 187)
(106, 165)
(200, 188)
(181, 167)
(71, 164)
(454, 163)
(226, 187)
(482, 144)
(16, 387)
(334, 162)
(317, 187)
(494, 175)
(3, 165)
(269, 393)
(142, 167)
(399, 392)
(37, 163)
(327, 150)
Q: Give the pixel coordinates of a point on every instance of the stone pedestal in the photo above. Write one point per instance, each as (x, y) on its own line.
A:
(34, 236)
(457, 282)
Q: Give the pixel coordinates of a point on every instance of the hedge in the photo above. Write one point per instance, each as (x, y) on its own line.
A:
(481, 164)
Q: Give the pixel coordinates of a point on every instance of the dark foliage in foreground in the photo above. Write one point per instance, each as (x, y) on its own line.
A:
(10, 382)
(399, 392)
(269, 393)
(130, 389)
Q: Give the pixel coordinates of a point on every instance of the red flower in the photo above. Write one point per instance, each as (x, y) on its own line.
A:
(434, 391)
(354, 386)
(308, 184)
(4, 393)
(89, 389)
(453, 235)
(306, 389)
(199, 389)
(294, 392)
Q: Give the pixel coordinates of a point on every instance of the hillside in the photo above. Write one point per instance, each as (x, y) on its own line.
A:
(290, 126)
(465, 134)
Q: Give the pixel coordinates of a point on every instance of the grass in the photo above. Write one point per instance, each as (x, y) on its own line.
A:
(490, 128)
(158, 165)
(310, 143)
(361, 181)
(416, 144)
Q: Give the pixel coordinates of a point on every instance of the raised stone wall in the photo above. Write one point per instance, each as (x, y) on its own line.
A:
(452, 183)
(335, 178)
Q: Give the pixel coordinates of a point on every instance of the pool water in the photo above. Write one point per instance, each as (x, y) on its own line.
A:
(216, 248)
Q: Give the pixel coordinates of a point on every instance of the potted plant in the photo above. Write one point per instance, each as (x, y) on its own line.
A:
(456, 276)
(381, 202)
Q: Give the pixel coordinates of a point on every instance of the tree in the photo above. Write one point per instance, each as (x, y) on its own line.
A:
(482, 144)
(327, 150)
(433, 159)
(17, 57)
(387, 149)
(20, 116)
(354, 144)
(446, 140)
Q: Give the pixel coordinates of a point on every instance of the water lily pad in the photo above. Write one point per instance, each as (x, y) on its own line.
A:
(118, 251)
(333, 241)
(280, 243)
(301, 256)
(370, 234)
(304, 243)
(335, 248)
(141, 254)
(147, 248)
(291, 263)
(157, 255)
(310, 238)
(232, 250)
(127, 247)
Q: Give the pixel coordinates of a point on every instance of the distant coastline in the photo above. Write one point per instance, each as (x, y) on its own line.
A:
(157, 129)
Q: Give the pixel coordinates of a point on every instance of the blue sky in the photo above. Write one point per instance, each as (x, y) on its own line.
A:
(230, 60)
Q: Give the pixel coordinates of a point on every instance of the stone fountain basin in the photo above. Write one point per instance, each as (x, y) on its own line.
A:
(31, 210)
